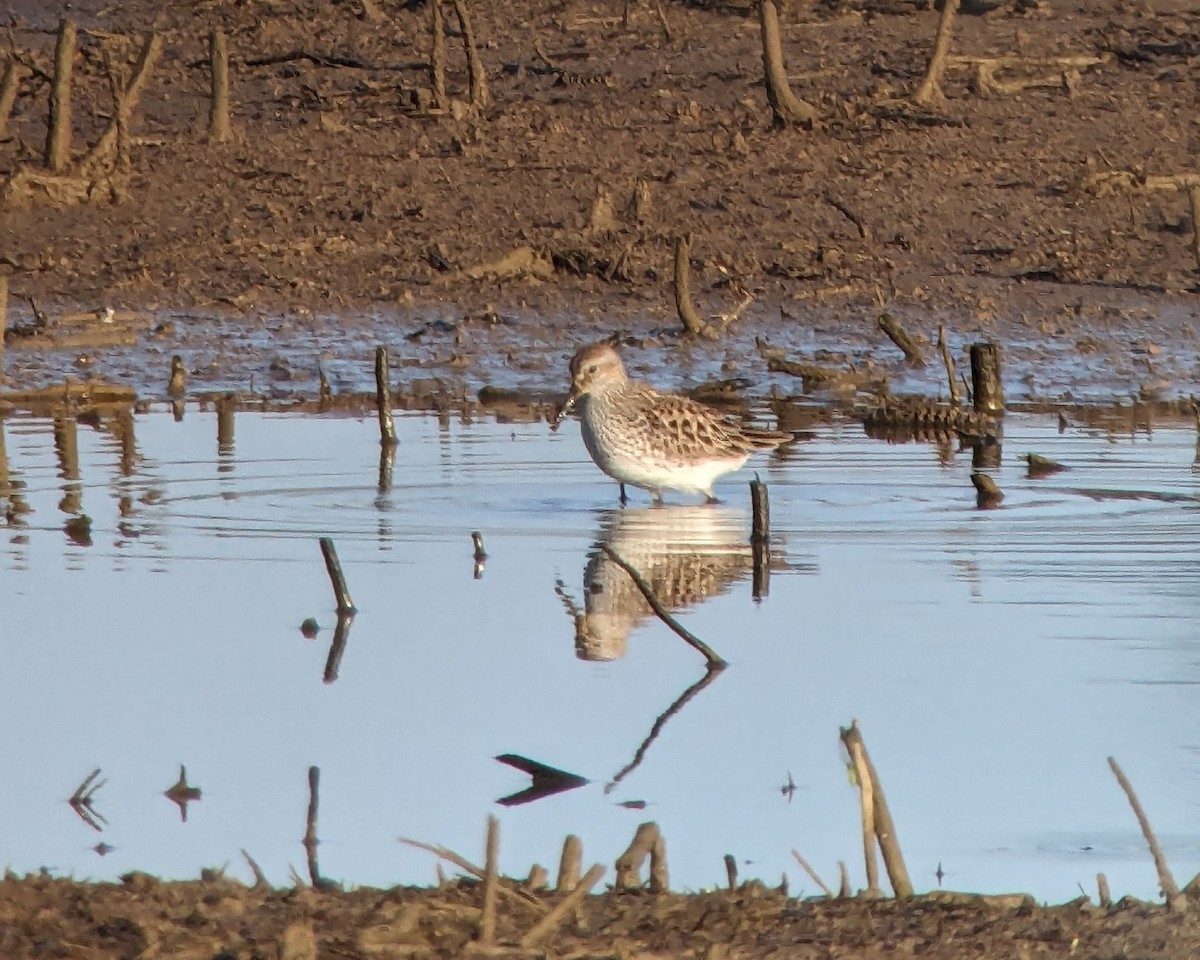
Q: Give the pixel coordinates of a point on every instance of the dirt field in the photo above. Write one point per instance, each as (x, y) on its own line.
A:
(478, 240)
(483, 241)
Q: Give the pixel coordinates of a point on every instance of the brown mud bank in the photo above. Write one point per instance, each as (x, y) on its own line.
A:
(218, 918)
(1042, 201)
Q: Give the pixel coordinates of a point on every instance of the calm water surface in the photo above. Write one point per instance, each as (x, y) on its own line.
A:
(994, 659)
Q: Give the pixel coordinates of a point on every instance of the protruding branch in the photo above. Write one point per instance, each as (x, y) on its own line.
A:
(691, 320)
(930, 89)
(334, 567)
(1175, 899)
(476, 77)
(218, 107)
(58, 133)
(785, 105)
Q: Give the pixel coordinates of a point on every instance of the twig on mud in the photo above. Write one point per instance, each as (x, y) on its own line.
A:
(260, 878)
(863, 230)
(463, 864)
(812, 873)
(1175, 900)
(714, 661)
(551, 922)
(127, 99)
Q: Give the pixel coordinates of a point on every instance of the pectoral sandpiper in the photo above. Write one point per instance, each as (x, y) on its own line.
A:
(645, 438)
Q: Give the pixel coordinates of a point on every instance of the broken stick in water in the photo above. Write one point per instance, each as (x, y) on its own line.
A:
(760, 538)
(683, 293)
(897, 334)
(480, 553)
(340, 591)
(988, 496)
(714, 661)
(383, 398)
(885, 829)
(948, 362)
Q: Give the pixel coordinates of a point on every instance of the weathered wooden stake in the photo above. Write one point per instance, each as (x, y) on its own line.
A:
(986, 389)
(226, 406)
(383, 397)
(126, 99)
(476, 76)
(570, 864)
(1193, 200)
(340, 591)
(760, 539)
(683, 292)
(948, 362)
(491, 877)
(930, 89)
(988, 496)
(845, 891)
(812, 873)
(218, 107)
(885, 829)
(3, 320)
(647, 842)
(1102, 892)
(177, 381)
(9, 82)
(310, 829)
(785, 105)
(480, 555)
(731, 871)
(58, 133)
(1175, 899)
(437, 60)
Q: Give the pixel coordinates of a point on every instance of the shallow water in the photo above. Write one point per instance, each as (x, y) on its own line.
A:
(994, 659)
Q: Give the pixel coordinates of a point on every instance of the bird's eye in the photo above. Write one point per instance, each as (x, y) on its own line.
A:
(591, 368)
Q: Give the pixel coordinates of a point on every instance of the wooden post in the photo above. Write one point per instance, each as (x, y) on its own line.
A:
(986, 389)
(3, 320)
(948, 362)
(225, 410)
(1193, 200)
(218, 107)
(881, 817)
(58, 133)
(570, 864)
(9, 83)
(310, 828)
(760, 538)
(785, 105)
(930, 89)
(683, 293)
(383, 398)
(487, 919)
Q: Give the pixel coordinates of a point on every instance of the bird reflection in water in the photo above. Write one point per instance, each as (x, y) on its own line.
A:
(686, 554)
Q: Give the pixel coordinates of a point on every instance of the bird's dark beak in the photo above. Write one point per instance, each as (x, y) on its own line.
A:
(567, 405)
